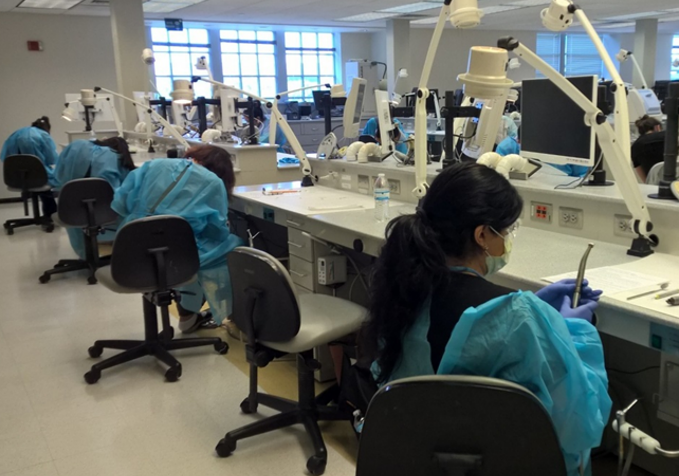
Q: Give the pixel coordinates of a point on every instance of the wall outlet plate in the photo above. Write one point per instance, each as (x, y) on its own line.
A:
(571, 218)
(364, 184)
(395, 186)
(622, 227)
(541, 212)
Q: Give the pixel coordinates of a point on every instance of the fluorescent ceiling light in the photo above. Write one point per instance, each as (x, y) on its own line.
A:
(668, 19)
(52, 4)
(634, 16)
(528, 3)
(425, 21)
(499, 8)
(370, 16)
(671, 10)
(166, 6)
(412, 7)
(616, 25)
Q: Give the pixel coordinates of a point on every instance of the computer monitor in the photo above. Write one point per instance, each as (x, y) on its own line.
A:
(553, 128)
(318, 101)
(384, 120)
(354, 107)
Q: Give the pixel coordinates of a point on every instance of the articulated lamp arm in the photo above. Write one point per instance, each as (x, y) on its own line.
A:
(160, 118)
(612, 148)
(274, 124)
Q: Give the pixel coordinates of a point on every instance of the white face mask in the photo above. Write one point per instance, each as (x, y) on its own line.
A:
(496, 263)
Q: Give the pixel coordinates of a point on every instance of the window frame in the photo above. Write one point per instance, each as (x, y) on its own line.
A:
(296, 81)
(674, 54)
(160, 48)
(228, 77)
(565, 58)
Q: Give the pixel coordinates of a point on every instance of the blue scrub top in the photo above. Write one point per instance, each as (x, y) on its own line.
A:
(370, 129)
(83, 158)
(33, 141)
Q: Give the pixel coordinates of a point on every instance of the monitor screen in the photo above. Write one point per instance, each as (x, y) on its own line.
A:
(553, 128)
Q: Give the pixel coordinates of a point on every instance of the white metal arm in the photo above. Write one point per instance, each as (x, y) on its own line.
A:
(615, 151)
(116, 117)
(273, 125)
(160, 118)
(644, 84)
(287, 130)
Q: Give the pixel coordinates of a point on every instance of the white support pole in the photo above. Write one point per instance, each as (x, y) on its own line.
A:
(644, 84)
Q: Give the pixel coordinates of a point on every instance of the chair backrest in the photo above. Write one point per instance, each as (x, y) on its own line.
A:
(24, 172)
(458, 426)
(149, 250)
(276, 312)
(655, 175)
(86, 203)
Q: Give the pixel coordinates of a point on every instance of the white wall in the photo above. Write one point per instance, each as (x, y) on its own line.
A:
(78, 53)
(354, 46)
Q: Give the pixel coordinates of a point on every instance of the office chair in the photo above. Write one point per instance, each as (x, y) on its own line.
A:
(277, 321)
(457, 426)
(86, 204)
(26, 174)
(655, 175)
(151, 256)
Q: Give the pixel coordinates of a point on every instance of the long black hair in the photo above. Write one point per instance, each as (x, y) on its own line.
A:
(412, 263)
(119, 145)
(43, 123)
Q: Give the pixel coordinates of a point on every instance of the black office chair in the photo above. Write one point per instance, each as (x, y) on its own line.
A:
(151, 256)
(26, 174)
(86, 204)
(277, 321)
(458, 426)
(367, 139)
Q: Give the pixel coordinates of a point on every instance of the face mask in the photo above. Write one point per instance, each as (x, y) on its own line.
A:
(496, 263)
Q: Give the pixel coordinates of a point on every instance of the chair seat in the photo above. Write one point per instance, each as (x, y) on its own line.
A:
(44, 188)
(104, 277)
(324, 319)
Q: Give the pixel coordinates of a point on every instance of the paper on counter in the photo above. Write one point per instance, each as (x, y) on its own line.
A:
(614, 279)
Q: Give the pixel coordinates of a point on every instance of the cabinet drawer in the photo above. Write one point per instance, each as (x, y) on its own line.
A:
(294, 221)
(302, 272)
(300, 245)
(313, 128)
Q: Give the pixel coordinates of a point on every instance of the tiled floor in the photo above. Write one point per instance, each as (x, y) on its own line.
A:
(131, 422)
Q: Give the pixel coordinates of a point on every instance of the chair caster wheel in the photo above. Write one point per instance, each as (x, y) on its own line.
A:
(245, 407)
(316, 465)
(48, 228)
(95, 351)
(9, 230)
(169, 332)
(92, 376)
(222, 348)
(44, 278)
(173, 373)
(91, 280)
(225, 447)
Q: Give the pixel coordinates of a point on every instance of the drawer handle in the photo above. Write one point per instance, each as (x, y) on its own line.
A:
(296, 245)
(298, 274)
(293, 223)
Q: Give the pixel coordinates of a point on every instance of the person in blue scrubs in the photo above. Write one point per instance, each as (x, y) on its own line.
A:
(108, 159)
(433, 310)
(372, 128)
(197, 189)
(36, 140)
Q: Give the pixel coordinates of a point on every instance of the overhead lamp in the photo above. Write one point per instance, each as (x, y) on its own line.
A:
(88, 98)
(558, 16)
(69, 113)
(202, 65)
(624, 55)
(486, 75)
(466, 14)
(147, 56)
(182, 93)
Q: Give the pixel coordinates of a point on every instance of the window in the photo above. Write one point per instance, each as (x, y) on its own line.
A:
(310, 59)
(674, 74)
(176, 53)
(570, 54)
(249, 61)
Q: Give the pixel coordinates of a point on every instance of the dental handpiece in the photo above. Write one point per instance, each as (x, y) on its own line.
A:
(581, 276)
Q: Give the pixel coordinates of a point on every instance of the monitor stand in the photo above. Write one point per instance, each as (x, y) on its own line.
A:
(598, 177)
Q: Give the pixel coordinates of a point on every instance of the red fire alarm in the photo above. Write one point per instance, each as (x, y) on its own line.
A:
(34, 45)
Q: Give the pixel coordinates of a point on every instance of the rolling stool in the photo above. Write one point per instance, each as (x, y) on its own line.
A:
(26, 174)
(151, 256)
(86, 204)
(277, 322)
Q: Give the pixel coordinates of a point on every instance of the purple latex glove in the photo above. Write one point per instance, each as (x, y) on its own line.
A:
(583, 311)
(553, 294)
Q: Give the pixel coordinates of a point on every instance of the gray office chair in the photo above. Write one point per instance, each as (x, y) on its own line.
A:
(277, 321)
(655, 175)
(26, 174)
(151, 256)
(458, 426)
(85, 204)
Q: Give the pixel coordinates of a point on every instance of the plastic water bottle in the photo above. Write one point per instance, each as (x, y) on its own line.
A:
(381, 198)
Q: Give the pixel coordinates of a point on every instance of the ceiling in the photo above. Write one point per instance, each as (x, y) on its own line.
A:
(324, 13)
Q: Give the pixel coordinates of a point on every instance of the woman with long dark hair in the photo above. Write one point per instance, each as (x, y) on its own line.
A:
(433, 311)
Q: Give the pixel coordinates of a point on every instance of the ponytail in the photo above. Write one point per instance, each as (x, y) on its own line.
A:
(119, 145)
(410, 266)
(43, 123)
(646, 124)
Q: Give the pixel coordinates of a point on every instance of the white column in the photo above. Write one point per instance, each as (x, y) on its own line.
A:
(215, 57)
(398, 51)
(645, 45)
(129, 40)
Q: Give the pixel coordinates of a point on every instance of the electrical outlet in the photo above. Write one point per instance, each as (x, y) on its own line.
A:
(395, 187)
(541, 212)
(571, 218)
(622, 226)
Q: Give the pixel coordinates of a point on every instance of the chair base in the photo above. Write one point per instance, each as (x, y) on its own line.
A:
(154, 344)
(69, 265)
(45, 222)
(308, 411)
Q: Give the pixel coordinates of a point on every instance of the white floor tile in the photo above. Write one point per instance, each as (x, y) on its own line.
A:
(22, 451)
(43, 469)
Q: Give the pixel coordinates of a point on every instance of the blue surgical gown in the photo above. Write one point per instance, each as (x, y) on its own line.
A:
(522, 339)
(508, 146)
(81, 159)
(33, 141)
(370, 129)
(200, 198)
(281, 140)
(572, 170)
